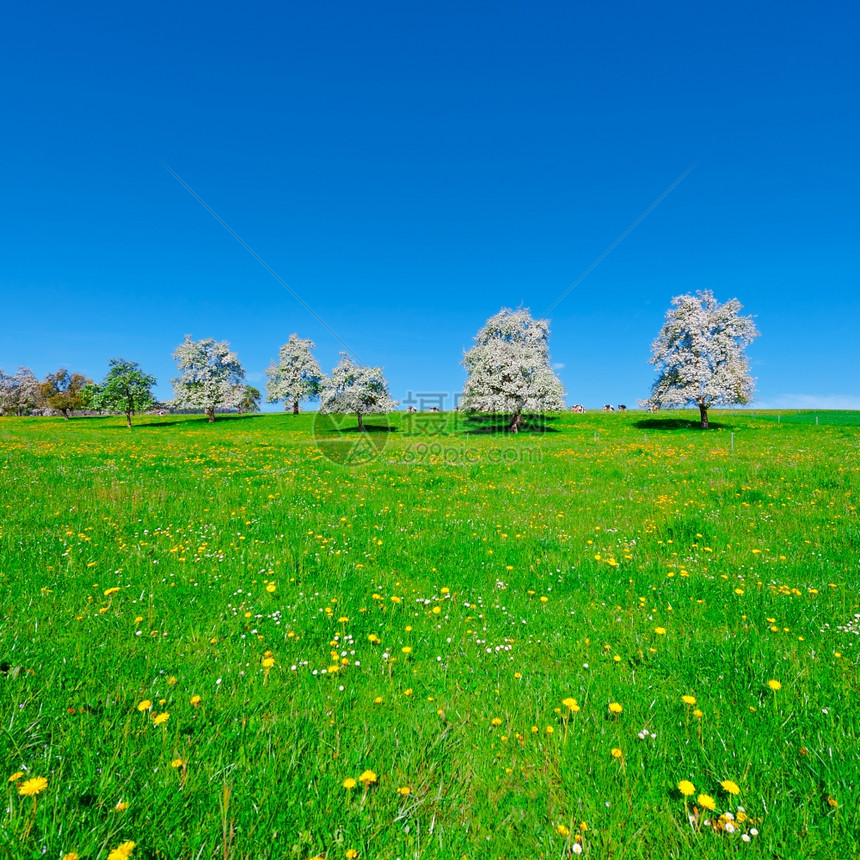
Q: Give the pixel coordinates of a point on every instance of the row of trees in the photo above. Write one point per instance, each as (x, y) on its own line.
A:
(699, 355)
(21, 393)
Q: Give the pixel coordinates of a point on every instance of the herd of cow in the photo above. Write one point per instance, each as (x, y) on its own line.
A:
(608, 407)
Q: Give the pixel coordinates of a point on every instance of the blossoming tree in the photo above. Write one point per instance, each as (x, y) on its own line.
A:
(356, 389)
(509, 369)
(20, 393)
(210, 376)
(296, 376)
(699, 354)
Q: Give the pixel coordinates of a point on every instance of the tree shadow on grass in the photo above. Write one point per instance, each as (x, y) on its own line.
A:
(368, 428)
(490, 424)
(678, 424)
(141, 424)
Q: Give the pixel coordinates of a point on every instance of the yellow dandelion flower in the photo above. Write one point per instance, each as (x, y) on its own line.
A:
(268, 662)
(31, 787)
(615, 708)
(707, 802)
(271, 587)
(495, 721)
(377, 700)
(110, 591)
(161, 719)
(367, 778)
(404, 791)
(121, 806)
(16, 776)
(686, 787)
(196, 700)
(562, 830)
(71, 855)
(688, 700)
(406, 649)
(177, 762)
(616, 752)
(730, 787)
(145, 705)
(349, 783)
(774, 685)
(660, 631)
(698, 714)
(121, 852)
(351, 854)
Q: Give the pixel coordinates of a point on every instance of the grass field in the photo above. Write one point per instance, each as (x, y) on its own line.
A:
(218, 641)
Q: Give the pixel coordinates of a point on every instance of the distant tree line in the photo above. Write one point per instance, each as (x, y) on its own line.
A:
(699, 356)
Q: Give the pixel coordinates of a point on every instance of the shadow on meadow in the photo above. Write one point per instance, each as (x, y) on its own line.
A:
(489, 424)
(184, 421)
(678, 424)
(368, 428)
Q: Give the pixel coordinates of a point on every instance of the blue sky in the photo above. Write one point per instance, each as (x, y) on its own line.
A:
(408, 169)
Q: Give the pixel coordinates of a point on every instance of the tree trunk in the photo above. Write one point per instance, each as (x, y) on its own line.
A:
(516, 423)
(65, 414)
(703, 412)
(361, 423)
(295, 407)
(128, 420)
(211, 413)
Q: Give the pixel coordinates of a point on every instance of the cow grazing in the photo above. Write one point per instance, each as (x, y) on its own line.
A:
(578, 408)
(622, 407)
(608, 407)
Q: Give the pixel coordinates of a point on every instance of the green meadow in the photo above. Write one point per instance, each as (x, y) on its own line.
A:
(613, 636)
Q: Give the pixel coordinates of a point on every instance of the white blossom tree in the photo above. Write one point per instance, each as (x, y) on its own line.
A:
(20, 392)
(509, 370)
(699, 354)
(210, 376)
(356, 389)
(296, 376)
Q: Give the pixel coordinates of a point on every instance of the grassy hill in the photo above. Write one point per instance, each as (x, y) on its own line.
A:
(274, 637)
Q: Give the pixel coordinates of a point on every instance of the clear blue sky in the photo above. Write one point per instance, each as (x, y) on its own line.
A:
(408, 169)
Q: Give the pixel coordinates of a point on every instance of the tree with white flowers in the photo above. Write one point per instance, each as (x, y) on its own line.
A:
(20, 393)
(356, 389)
(699, 354)
(210, 376)
(509, 370)
(296, 376)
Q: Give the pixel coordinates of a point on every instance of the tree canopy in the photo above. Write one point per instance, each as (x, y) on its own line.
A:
(126, 390)
(509, 370)
(356, 389)
(210, 376)
(699, 354)
(296, 376)
(20, 392)
(64, 391)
